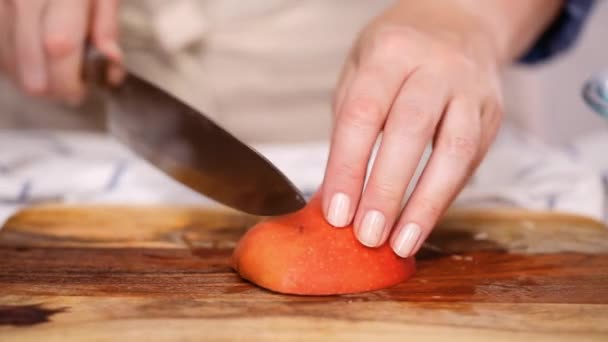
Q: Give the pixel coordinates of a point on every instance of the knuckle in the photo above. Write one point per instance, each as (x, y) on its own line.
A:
(429, 208)
(419, 122)
(460, 146)
(60, 44)
(349, 173)
(384, 192)
(363, 113)
(392, 41)
(448, 58)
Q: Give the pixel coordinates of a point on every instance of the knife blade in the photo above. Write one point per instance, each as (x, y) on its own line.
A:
(191, 148)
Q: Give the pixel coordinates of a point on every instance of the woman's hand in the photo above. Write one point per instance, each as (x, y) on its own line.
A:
(42, 43)
(422, 72)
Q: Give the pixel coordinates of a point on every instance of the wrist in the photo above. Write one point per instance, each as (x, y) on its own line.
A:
(455, 23)
(505, 29)
(511, 27)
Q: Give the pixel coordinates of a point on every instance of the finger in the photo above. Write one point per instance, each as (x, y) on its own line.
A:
(491, 117)
(105, 33)
(455, 153)
(116, 74)
(354, 135)
(345, 80)
(29, 52)
(374, 86)
(65, 28)
(408, 129)
(7, 39)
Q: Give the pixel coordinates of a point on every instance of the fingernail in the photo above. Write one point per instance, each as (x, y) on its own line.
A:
(404, 242)
(337, 215)
(372, 228)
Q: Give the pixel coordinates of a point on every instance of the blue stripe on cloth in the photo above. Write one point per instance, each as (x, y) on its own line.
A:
(22, 197)
(528, 169)
(572, 151)
(552, 201)
(120, 169)
(24, 194)
(59, 145)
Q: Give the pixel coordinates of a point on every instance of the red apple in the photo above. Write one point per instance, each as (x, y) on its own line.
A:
(301, 253)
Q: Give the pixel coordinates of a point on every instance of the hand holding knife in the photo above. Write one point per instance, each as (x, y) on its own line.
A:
(188, 146)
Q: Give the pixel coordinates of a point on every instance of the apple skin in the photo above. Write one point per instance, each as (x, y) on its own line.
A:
(300, 253)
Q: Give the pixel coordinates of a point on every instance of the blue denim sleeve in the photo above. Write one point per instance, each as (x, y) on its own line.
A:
(562, 34)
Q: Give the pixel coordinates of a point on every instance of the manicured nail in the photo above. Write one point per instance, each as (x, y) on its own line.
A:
(338, 212)
(404, 242)
(372, 228)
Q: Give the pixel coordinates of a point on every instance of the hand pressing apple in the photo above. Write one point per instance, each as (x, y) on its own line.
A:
(422, 72)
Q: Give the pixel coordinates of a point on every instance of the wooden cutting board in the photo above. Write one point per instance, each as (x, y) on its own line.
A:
(116, 273)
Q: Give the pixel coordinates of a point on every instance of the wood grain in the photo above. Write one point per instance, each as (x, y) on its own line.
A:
(104, 273)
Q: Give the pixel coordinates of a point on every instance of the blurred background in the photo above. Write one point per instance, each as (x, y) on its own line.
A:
(266, 70)
(546, 99)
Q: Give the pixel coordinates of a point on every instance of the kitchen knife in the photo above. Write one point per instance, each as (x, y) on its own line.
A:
(188, 146)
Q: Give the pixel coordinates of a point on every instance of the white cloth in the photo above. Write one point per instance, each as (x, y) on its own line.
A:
(522, 172)
(45, 167)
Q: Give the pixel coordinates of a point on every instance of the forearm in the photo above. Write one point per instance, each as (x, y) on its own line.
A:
(510, 26)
